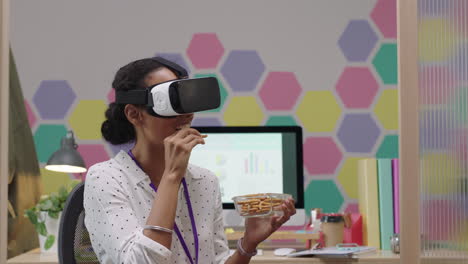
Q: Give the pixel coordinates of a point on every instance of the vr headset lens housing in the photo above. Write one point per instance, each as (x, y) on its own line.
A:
(175, 97)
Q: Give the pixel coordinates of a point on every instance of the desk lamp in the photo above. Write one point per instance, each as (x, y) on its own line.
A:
(67, 158)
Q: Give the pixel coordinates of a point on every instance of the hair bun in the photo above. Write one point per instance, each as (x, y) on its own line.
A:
(117, 129)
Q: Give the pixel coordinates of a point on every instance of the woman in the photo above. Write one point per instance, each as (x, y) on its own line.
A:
(149, 205)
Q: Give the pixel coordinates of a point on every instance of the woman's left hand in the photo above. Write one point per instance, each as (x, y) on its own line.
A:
(258, 229)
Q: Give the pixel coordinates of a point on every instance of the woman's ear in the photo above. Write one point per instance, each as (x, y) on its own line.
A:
(133, 114)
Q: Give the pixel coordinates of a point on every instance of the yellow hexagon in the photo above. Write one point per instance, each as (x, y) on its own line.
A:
(442, 173)
(87, 118)
(386, 109)
(319, 111)
(348, 177)
(436, 40)
(243, 111)
(52, 181)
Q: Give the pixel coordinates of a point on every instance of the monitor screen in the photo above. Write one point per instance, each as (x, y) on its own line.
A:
(250, 160)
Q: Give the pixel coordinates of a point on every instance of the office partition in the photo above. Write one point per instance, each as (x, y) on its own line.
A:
(433, 71)
(4, 99)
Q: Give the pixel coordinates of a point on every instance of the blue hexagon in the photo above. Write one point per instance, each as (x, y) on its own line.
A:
(174, 57)
(53, 98)
(357, 40)
(242, 70)
(358, 133)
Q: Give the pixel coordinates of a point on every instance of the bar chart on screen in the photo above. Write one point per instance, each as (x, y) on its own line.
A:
(243, 158)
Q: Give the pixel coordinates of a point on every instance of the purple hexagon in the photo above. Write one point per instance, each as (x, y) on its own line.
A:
(321, 155)
(53, 98)
(280, 91)
(357, 40)
(111, 96)
(124, 147)
(206, 121)
(357, 87)
(242, 70)
(384, 16)
(174, 57)
(31, 116)
(358, 133)
(205, 50)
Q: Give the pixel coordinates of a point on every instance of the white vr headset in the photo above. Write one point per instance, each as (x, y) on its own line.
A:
(176, 97)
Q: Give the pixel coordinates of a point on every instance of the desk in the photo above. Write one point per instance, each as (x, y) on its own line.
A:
(380, 257)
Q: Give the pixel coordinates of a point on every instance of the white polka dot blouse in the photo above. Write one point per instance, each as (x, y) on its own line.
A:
(118, 198)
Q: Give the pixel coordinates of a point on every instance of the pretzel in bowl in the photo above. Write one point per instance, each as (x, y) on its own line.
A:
(259, 204)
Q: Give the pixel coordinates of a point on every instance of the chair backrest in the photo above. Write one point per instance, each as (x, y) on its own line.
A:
(74, 244)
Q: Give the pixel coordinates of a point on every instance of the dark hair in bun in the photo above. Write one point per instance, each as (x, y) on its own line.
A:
(116, 129)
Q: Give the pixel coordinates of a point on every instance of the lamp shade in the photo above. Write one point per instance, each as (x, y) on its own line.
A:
(67, 158)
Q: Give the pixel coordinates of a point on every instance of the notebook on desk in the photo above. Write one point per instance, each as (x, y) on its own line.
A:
(333, 252)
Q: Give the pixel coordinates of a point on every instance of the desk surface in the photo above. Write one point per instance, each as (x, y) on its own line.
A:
(380, 257)
(36, 257)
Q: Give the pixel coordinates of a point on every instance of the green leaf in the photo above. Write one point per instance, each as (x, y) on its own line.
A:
(49, 241)
(32, 216)
(63, 192)
(46, 205)
(53, 214)
(41, 228)
(56, 204)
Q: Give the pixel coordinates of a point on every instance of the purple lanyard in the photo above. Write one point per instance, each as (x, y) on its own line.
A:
(192, 218)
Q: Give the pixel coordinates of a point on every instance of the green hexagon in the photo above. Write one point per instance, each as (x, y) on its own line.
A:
(386, 63)
(318, 111)
(87, 118)
(47, 140)
(388, 149)
(243, 111)
(459, 105)
(323, 194)
(222, 90)
(348, 177)
(281, 121)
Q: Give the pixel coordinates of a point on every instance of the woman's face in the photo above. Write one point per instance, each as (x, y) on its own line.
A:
(156, 129)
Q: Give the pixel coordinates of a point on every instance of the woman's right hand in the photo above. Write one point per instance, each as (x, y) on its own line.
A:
(177, 149)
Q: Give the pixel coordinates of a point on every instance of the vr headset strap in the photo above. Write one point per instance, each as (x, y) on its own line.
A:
(173, 66)
(139, 97)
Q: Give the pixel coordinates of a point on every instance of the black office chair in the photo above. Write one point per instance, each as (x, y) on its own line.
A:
(74, 245)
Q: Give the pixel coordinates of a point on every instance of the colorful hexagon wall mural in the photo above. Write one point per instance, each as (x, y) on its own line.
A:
(53, 107)
(281, 121)
(357, 41)
(355, 116)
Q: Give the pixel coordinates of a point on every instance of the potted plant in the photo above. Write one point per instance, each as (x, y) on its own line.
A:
(45, 216)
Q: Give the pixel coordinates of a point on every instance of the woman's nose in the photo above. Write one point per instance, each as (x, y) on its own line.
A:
(187, 116)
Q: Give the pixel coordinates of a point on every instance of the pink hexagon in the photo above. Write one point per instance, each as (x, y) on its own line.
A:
(385, 17)
(357, 87)
(31, 116)
(352, 208)
(430, 78)
(321, 155)
(280, 91)
(205, 50)
(111, 96)
(92, 154)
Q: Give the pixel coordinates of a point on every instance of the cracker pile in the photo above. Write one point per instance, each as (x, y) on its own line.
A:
(258, 205)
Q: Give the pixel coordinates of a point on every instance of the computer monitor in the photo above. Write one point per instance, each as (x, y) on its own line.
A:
(254, 159)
